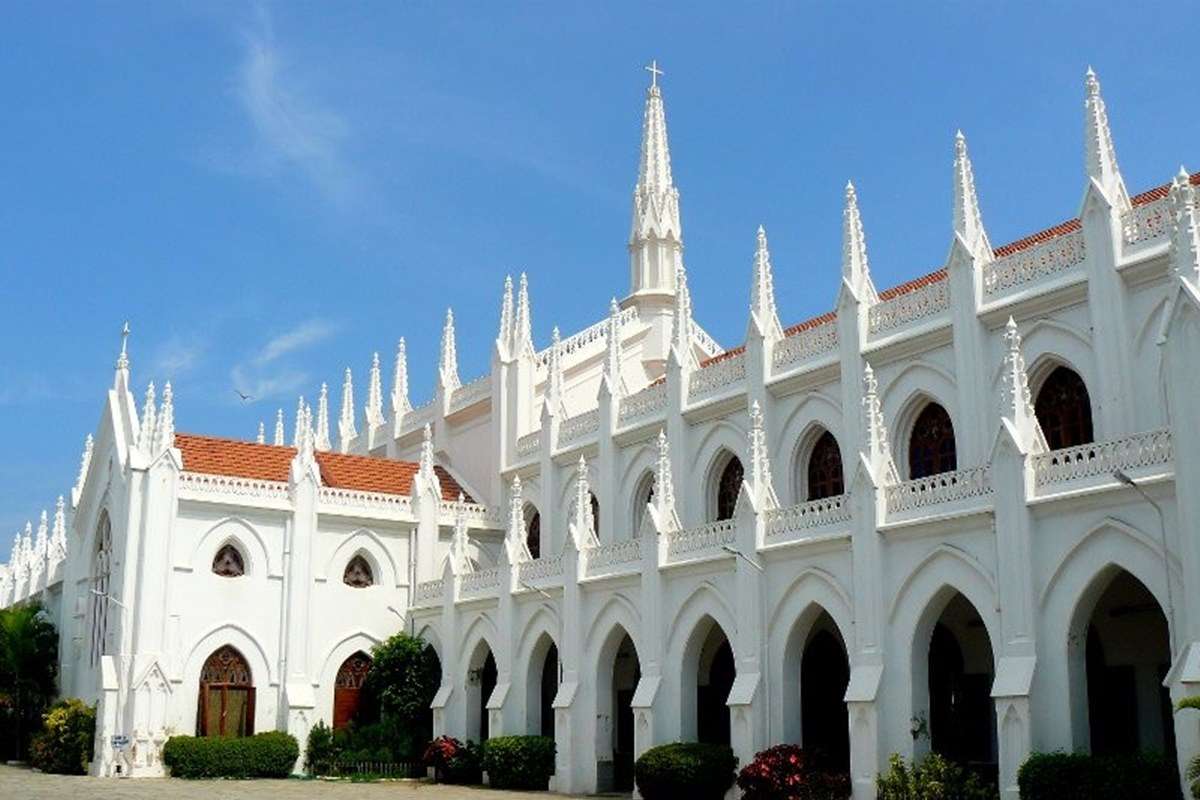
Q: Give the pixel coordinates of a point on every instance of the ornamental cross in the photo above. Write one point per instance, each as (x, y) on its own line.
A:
(654, 73)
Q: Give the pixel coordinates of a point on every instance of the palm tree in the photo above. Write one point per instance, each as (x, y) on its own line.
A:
(28, 671)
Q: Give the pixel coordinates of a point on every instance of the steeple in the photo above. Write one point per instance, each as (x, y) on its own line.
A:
(523, 322)
(968, 221)
(762, 291)
(279, 434)
(321, 434)
(656, 236)
(1100, 156)
(346, 430)
(374, 408)
(400, 402)
(504, 338)
(1185, 235)
(856, 272)
(448, 365)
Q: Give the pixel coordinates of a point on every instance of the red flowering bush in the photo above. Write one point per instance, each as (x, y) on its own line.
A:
(785, 772)
(452, 761)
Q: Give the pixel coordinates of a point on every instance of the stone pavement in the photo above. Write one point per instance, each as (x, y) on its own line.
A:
(17, 783)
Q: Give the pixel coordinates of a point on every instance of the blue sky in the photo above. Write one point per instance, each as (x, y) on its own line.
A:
(271, 192)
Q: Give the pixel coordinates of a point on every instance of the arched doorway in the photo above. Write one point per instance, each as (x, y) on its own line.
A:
(225, 705)
(626, 672)
(708, 674)
(347, 688)
(487, 684)
(1127, 654)
(961, 716)
(549, 688)
(824, 676)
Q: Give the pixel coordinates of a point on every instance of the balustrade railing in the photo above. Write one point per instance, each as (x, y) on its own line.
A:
(702, 541)
(1147, 221)
(578, 427)
(592, 333)
(707, 343)
(925, 301)
(945, 487)
(614, 554)
(810, 514)
(1050, 257)
(646, 403)
(357, 499)
(1149, 449)
(231, 486)
(716, 376)
(471, 393)
(808, 343)
(429, 592)
(529, 444)
(540, 569)
(481, 582)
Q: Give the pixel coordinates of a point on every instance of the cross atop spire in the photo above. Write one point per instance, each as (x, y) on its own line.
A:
(654, 71)
(121, 379)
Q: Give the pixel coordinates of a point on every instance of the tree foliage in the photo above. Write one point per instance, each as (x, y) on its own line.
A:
(404, 677)
(28, 674)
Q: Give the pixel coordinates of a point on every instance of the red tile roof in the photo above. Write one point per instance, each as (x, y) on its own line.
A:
(217, 456)
(1159, 192)
(730, 353)
(913, 285)
(1069, 226)
(828, 316)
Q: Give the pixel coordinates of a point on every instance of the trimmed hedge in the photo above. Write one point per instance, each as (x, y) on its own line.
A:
(519, 762)
(685, 769)
(65, 744)
(264, 755)
(1078, 776)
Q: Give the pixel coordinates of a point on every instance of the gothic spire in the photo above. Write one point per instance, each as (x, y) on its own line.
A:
(149, 421)
(164, 436)
(460, 544)
(1185, 234)
(762, 290)
(400, 402)
(58, 537)
(346, 430)
(1100, 155)
(426, 466)
(504, 339)
(968, 221)
(760, 461)
(664, 485)
(656, 234)
(682, 324)
(279, 434)
(612, 360)
(305, 437)
(514, 540)
(42, 542)
(121, 378)
(523, 322)
(298, 432)
(321, 432)
(448, 365)
(262, 433)
(1016, 402)
(856, 271)
(374, 407)
(554, 379)
(877, 452)
(582, 518)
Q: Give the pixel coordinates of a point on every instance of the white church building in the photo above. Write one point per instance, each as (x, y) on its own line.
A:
(941, 516)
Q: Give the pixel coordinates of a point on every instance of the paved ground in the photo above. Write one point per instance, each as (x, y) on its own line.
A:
(22, 784)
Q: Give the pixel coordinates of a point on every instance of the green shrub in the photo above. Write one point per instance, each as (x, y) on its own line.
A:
(933, 778)
(453, 761)
(1076, 776)
(685, 769)
(65, 744)
(519, 762)
(264, 755)
(319, 752)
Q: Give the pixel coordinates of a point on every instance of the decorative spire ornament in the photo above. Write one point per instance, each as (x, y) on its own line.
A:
(581, 508)
(523, 322)
(374, 408)
(762, 291)
(262, 433)
(968, 221)
(448, 365)
(554, 381)
(121, 376)
(27, 546)
(426, 465)
(85, 461)
(856, 271)
(1185, 231)
(346, 430)
(663, 501)
(279, 434)
(878, 451)
(164, 437)
(612, 359)
(41, 544)
(518, 548)
(504, 339)
(321, 432)
(682, 330)
(460, 544)
(400, 402)
(58, 537)
(760, 460)
(656, 233)
(1016, 401)
(149, 421)
(1100, 155)
(298, 432)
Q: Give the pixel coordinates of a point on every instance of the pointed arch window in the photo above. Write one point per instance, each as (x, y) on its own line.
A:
(931, 448)
(101, 570)
(358, 573)
(825, 478)
(226, 699)
(642, 497)
(533, 532)
(228, 562)
(728, 485)
(1064, 409)
(595, 504)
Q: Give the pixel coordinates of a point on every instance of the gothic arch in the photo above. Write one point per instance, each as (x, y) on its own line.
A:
(643, 492)
(919, 382)
(721, 440)
(248, 646)
(429, 634)
(802, 455)
(544, 621)
(963, 572)
(371, 547)
(237, 531)
(534, 660)
(617, 611)
(481, 629)
(338, 652)
(720, 495)
(795, 438)
(691, 645)
(705, 600)
(900, 435)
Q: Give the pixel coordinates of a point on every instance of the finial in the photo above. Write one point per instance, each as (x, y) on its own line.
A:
(262, 433)
(448, 368)
(504, 338)
(400, 402)
(279, 434)
(1100, 155)
(968, 220)
(554, 386)
(612, 361)
(856, 271)
(321, 433)
(374, 408)
(654, 71)
(298, 432)
(149, 422)
(123, 358)
(664, 488)
(85, 461)
(1185, 228)
(523, 322)
(346, 429)
(762, 290)
(164, 437)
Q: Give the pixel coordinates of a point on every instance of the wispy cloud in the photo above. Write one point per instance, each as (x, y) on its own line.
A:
(263, 376)
(177, 356)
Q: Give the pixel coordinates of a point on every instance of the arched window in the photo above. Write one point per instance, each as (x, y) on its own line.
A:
(931, 446)
(642, 497)
(533, 531)
(825, 468)
(347, 688)
(358, 573)
(226, 702)
(1064, 409)
(101, 568)
(728, 485)
(595, 513)
(228, 562)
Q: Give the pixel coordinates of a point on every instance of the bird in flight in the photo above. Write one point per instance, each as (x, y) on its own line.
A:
(244, 397)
